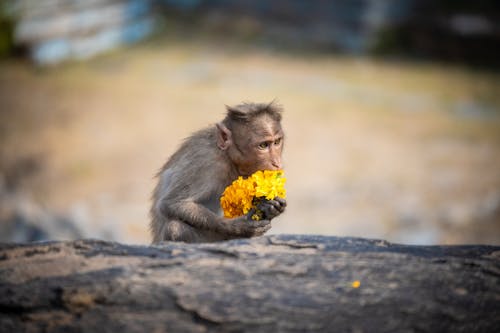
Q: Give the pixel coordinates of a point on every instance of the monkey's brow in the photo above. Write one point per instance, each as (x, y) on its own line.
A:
(264, 136)
(269, 132)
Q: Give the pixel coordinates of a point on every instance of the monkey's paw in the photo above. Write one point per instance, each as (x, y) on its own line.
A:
(269, 209)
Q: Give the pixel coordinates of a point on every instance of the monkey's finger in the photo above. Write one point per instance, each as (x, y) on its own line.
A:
(270, 212)
(270, 203)
(271, 208)
(278, 204)
(267, 203)
(281, 201)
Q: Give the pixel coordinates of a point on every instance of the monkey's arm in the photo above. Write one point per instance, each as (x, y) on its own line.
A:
(200, 217)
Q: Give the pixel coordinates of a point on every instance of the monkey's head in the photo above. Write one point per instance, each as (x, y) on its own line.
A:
(252, 137)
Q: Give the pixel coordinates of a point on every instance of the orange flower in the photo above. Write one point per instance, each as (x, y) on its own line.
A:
(238, 198)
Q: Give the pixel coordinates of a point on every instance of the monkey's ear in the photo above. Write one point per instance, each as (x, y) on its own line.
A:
(224, 136)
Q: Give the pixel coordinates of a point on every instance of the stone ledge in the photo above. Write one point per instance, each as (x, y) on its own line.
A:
(273, 283)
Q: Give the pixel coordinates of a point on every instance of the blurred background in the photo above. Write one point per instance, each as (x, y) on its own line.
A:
(392, 111)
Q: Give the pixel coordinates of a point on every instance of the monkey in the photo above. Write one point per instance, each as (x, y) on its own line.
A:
(186, 200)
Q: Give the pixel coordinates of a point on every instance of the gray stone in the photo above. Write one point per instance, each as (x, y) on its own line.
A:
(267, 284)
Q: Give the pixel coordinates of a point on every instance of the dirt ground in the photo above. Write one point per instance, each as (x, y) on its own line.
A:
(408, 152)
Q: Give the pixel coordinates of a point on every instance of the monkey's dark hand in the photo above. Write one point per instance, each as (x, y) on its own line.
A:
(271, 208)
(244, 226)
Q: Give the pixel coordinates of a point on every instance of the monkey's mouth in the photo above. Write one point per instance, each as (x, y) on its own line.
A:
(245, 173)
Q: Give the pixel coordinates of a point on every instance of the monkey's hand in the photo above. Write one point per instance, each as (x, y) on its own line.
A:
(271, 208)
(244, 226)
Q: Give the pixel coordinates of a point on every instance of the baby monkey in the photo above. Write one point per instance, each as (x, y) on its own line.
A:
(186, 200)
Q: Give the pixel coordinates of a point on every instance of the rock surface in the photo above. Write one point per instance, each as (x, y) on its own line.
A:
(274, 283)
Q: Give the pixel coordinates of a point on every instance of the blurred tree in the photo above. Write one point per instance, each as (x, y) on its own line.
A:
(460, 31)
(6, 30)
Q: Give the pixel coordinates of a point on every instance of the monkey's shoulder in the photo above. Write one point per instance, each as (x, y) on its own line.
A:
(199, 151)
(197, 164)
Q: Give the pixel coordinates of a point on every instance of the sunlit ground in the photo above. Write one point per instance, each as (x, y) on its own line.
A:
(404, 151)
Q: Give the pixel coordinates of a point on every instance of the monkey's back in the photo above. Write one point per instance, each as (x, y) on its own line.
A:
(197, 161)
(197, 171)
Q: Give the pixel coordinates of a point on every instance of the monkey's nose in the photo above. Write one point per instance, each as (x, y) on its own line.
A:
(276, 165)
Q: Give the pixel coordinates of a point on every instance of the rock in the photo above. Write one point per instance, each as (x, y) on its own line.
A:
(267, 284)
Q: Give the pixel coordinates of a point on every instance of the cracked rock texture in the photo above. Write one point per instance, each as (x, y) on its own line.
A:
(267, 284)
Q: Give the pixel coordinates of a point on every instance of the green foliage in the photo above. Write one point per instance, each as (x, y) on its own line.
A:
(6, 31)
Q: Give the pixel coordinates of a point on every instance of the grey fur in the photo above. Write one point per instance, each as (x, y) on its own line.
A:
(186, 200)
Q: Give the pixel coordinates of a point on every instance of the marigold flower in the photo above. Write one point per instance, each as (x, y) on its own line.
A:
(239, 197)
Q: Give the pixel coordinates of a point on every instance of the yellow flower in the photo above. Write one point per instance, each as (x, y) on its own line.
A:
(356, 284)
(238, 198)
(269, 184)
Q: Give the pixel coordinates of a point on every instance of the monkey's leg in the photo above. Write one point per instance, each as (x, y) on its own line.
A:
(174, 230)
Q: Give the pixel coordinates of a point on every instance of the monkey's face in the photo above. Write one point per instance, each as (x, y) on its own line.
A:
(257, 146)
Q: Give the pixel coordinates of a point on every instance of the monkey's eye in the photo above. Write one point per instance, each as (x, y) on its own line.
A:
(277, 142)
(264, 145)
